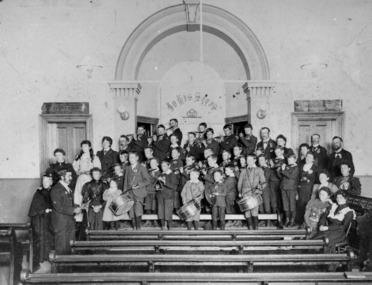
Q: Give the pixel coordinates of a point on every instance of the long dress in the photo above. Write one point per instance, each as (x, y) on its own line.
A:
(82, 168)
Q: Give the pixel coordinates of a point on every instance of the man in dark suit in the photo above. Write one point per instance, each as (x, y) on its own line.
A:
(124, 143)
(248, 140)
(267, 145)
(136, 181)
(320, 153)
(194, 147)
(229, 140)
(160, 143)
(63, 211)
(339, 156)
(139, 143)
(176, 130)
(108, 157)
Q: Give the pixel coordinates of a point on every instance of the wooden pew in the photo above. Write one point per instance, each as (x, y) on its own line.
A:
(152, 261)
(164, 246)
(143, 278)
(24, 235)
(285, 234)
(7, 252)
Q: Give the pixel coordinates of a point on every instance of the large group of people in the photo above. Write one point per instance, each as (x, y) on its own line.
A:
(159, 176)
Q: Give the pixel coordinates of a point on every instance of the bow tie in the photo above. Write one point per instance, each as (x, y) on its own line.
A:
(338, 155)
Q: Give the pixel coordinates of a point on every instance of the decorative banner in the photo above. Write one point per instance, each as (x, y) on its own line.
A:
(317, 105)
(192, 93)
(65, 108)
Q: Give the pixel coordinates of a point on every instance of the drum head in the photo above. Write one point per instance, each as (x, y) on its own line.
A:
(122, 209)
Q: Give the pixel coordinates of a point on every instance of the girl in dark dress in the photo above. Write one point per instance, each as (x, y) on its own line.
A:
(308, 176)
(334, 223)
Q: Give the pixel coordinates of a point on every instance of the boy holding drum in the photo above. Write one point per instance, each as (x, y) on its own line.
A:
(193, 191)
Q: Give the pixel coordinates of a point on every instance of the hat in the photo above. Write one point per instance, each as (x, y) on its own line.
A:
(48, 174)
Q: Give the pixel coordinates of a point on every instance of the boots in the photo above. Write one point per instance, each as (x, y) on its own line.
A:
(196, 224)
(134, 224)
(214, 225)
(287, 220)
(280, 220)
(249, 223)
(255, 222)
(162, 223)
(169, 224)
(189, 225)
(292, 222)
(139, 222)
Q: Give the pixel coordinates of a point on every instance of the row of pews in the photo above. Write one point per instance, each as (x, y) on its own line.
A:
(197, 257)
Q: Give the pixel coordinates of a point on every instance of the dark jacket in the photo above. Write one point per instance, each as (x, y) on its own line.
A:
(321, 157)
(55, 167)
(177, 132)
(249, 143)
(269, 150)
(93, 191)
(214, 146)
(138, 145)
(335, 162)
(290, 177)
(169, 187)
(196, 149)
(107, 161)
(228, 143)
(350, 184)
(137, 176)
(161, 147)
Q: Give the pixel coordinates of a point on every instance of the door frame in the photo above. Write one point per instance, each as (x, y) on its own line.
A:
(45, 119)
(297, 117)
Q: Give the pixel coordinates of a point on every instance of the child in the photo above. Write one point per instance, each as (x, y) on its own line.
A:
(149, 154)
(209, 180)
(40, 208)
(226, 158)
(204, 163)
(218, 198)
(124, 155)
(315, 208)
(175, 166)
(237, 154)
(176, 144)
(193, 190)
(118, 176)
(231, 184)
(166, 194)
(194, 147)
(92, 196)
(185, 171)
(150, 201)
(347, 181)
(251, 182)
(289, 188)
(111, 221)
(242, 165)
(269, 198)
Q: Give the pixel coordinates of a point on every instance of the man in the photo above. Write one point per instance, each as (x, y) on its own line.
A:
(135, 183)
(193, 147)
(63, 211)
(60, 157)
(139, 143)
(320, 153)
(160, 143)
(108, 157)
(202, 128)
(339, 156)
(229, 141)
(248, 140)
(281, 140)
(176, 130)
(266, 144)
(124, 143)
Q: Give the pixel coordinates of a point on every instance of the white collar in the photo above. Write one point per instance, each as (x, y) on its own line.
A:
(168, 171)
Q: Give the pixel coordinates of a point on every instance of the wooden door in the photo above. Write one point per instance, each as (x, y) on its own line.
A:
(327, 125)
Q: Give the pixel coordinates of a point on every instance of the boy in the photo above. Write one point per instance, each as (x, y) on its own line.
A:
(166, 194)
(347, 181)
(185, 171)
(136, 181)
(193, 190)
(230, 184)
(149, 154)
(40, 208)
(289, 187)
(92, 193)
(154, 172)
(118, 176)
(218, 200)
(229, 140)
(123, 157)
(268, 196)
(251, 182)
(226, 158)
(176, 144)
(175, 166)
(237, 154)
(208, 179)
(248, 140)
(194, 147)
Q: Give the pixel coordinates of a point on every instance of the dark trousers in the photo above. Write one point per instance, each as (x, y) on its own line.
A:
(218, 213)
(275, 196)
(289, 200)
(269, 200)
(42, 237)
(230, 206)
(64, 232)
(112, 225)
(150, 202)
(304, 196)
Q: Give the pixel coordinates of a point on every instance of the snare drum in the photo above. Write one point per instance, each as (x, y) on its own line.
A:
(188, 210)
(250, 202)
(121, 204)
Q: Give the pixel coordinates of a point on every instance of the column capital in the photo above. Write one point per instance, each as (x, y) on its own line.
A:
(125, 89)
(259, 87)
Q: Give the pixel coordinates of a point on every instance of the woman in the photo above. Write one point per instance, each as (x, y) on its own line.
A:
(82, 164)
(315, 208)
(308, 176)
(302, 152)
(335, 222)
(324, 178)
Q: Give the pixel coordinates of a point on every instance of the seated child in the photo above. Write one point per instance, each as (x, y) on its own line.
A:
(289, 188)
(110, 220)
(193, 190)
(165, 194)
(315, 208)
(218, 199)
(251, 182)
